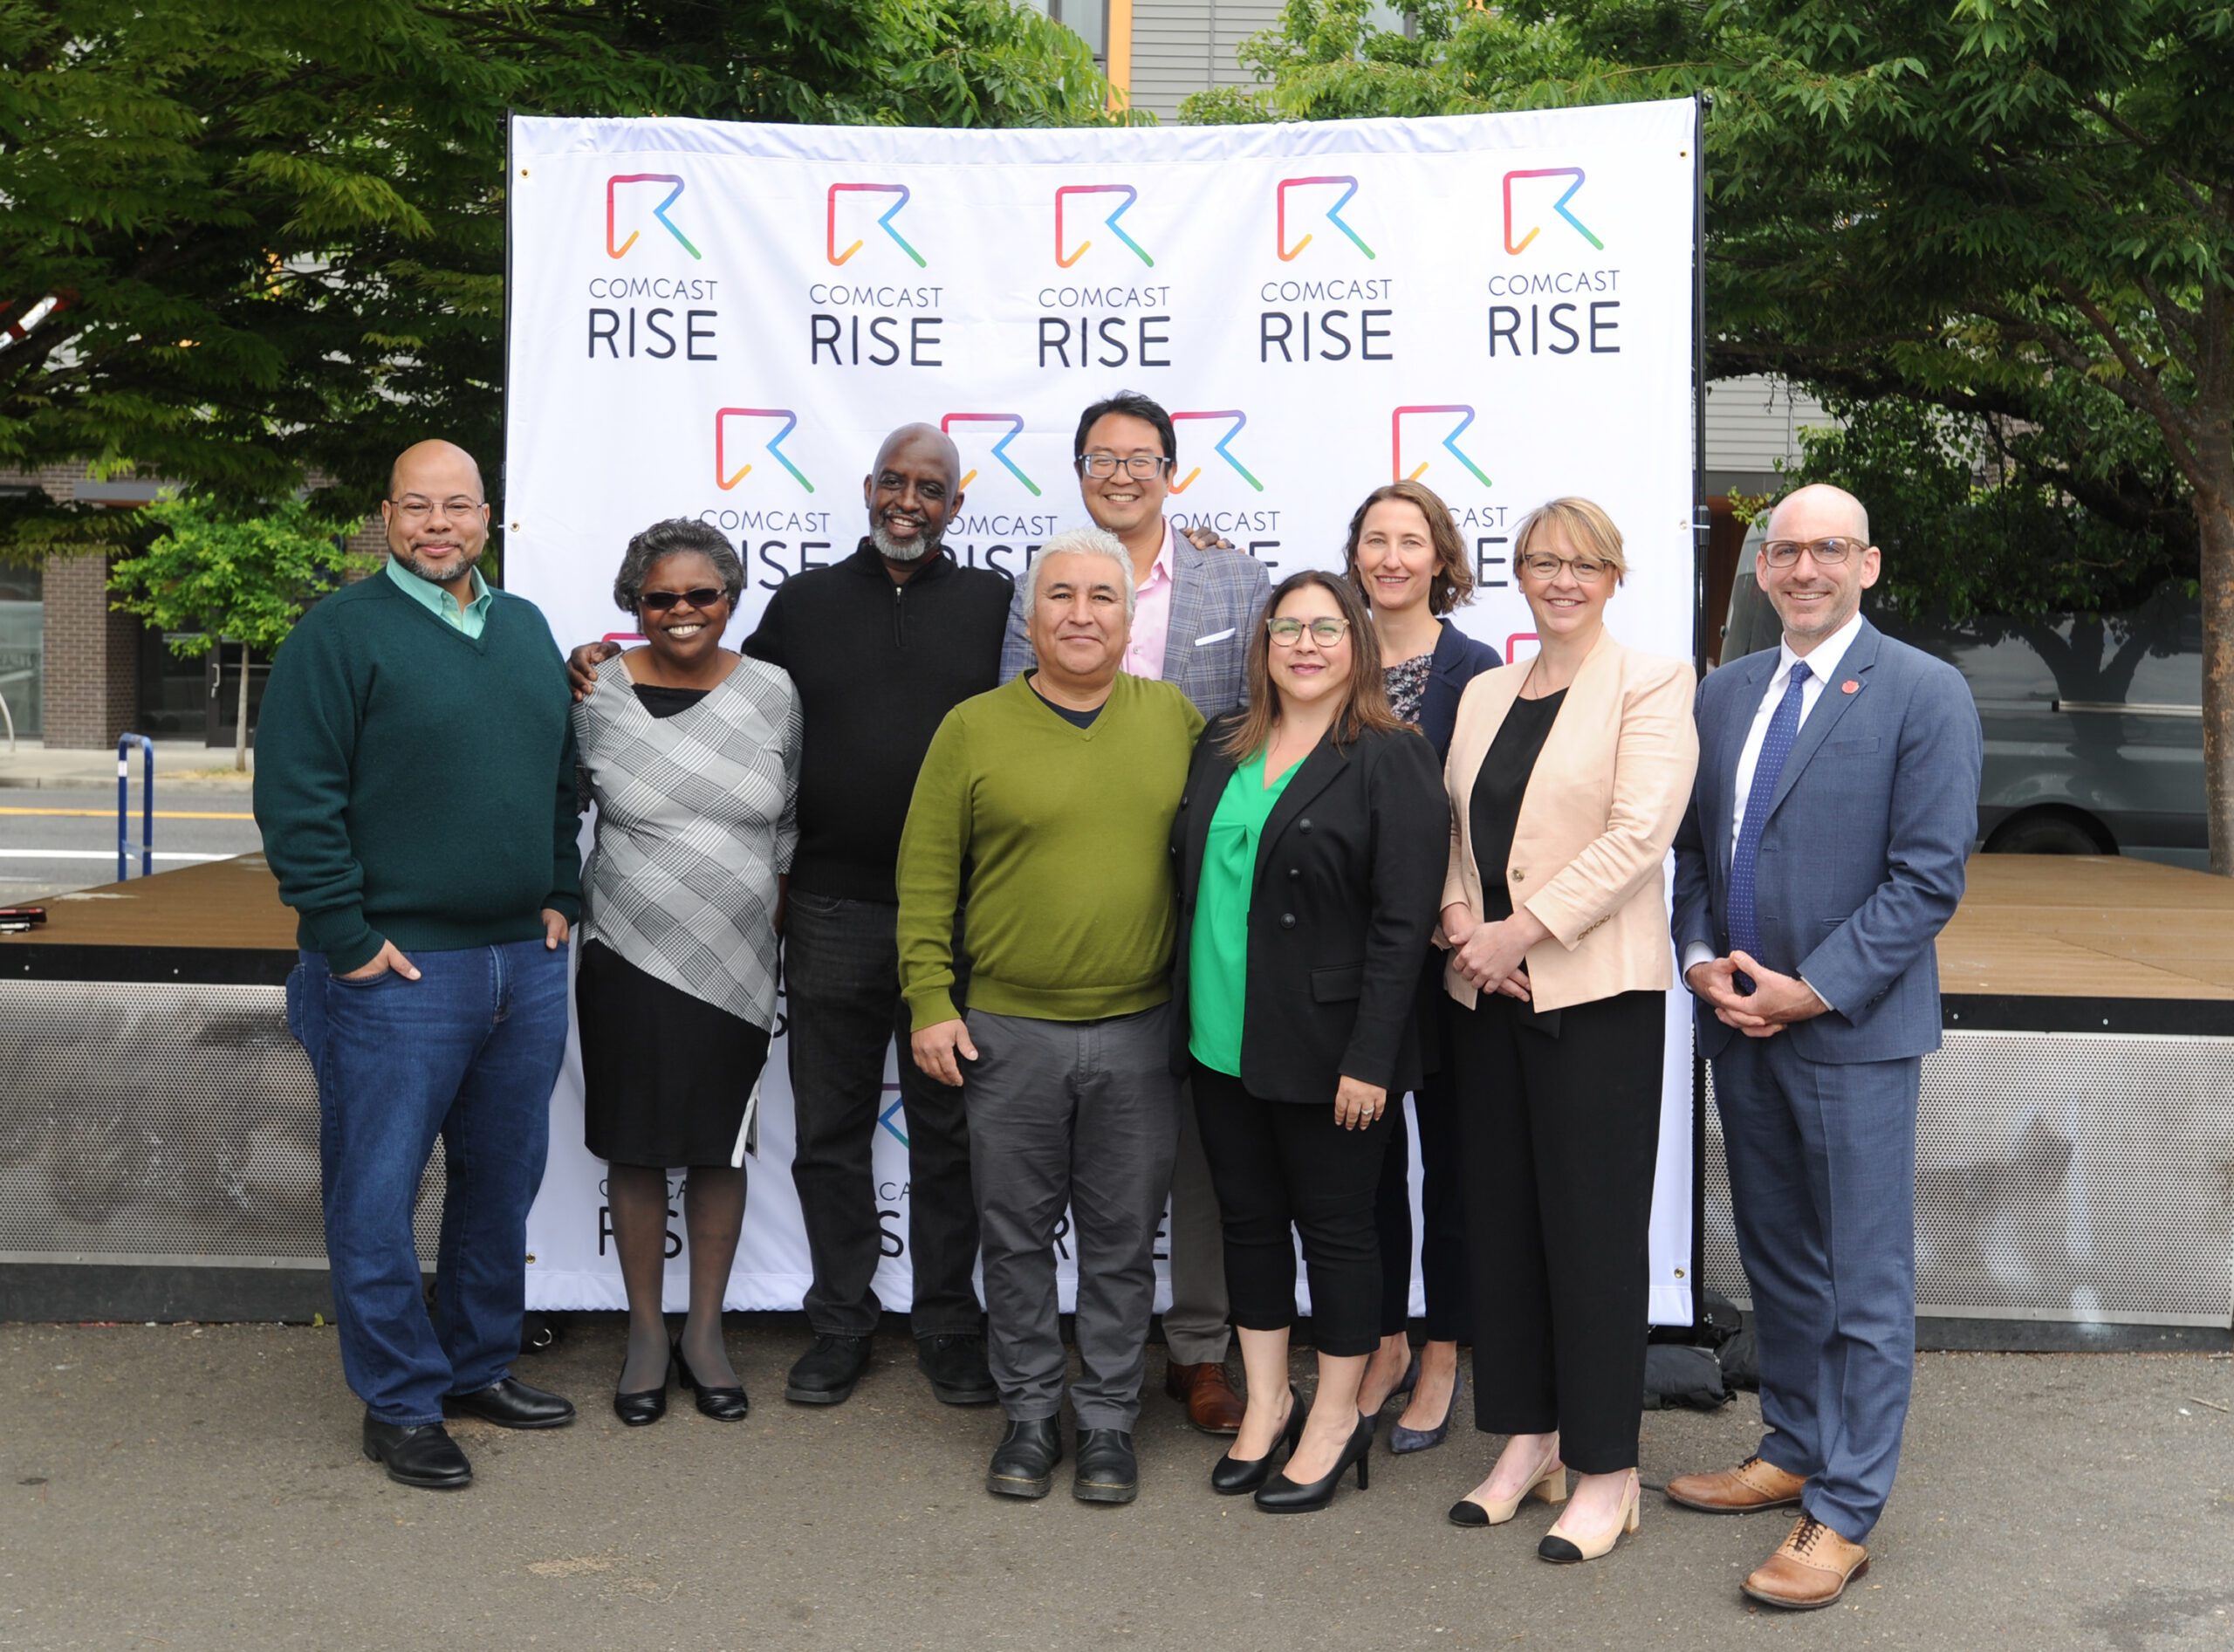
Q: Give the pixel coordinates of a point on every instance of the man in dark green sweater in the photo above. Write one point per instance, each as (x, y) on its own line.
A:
(414, 784)
(1052, 799)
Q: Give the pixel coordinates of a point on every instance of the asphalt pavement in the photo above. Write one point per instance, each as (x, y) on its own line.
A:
(62, 834)
(184, 1487)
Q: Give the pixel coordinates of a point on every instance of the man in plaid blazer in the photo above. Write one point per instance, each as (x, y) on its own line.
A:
(1195, 609)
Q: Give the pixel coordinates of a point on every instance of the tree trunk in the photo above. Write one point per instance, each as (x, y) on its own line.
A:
(240, 719)
(2215, 515)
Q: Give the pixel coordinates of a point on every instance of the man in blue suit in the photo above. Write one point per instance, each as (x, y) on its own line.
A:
(1823, 852)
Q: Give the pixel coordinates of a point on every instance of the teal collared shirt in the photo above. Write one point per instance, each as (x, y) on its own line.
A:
(470, 619)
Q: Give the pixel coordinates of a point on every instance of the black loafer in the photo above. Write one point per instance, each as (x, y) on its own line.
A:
(1107, 1471)
(723, 1405)
(956, 1365)
(1024, 1463)
(417, 1454)
(825, 1373)
(512, 1403)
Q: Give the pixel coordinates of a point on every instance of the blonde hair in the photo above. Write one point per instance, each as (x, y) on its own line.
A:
(1582, 524)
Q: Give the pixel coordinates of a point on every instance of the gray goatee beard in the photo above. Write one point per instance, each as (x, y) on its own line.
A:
(893, 549)
(413, 564)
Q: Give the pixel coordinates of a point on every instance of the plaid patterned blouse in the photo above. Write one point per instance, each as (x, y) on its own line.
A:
(695, 818)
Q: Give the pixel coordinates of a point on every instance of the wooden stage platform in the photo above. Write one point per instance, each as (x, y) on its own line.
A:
(2061, 926)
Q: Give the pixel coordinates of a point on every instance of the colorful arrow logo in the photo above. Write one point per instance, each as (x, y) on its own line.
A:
(1123, 207)
(1239, 419)
(1450, 442)
(1015, 423)
(613, 188)
(1559, 206)
(1333, 216)
(830, 238)
(724, 477)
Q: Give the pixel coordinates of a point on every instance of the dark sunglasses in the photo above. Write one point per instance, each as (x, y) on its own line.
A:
(662, 601)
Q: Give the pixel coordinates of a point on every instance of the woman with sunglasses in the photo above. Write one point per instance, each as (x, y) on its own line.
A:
(1309, 842)
(1567, 775)
(692, 756)
(1406, 558)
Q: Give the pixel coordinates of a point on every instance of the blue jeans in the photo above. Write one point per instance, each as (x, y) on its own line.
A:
(469, 1052)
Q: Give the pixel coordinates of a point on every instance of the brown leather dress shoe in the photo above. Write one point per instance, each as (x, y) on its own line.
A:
(1810, 1568)
(1212, 1405)
(1752, 1484)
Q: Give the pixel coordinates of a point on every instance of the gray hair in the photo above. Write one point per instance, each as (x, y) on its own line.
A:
(673, 538)
(1081, 542)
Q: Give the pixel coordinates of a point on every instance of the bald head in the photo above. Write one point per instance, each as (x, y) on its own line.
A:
(913, 493)
(1821, 510)
(929, 440)
(428, 459)
(436, 516)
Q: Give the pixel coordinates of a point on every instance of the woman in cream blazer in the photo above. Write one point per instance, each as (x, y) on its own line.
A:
(1567, 775)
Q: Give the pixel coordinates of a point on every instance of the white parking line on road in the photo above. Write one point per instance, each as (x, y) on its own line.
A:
(97, 854)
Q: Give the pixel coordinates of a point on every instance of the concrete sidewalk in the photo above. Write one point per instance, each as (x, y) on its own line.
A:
(192, 1487)
(187, 763)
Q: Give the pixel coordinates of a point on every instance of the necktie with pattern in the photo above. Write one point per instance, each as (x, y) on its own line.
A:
(1784, 729)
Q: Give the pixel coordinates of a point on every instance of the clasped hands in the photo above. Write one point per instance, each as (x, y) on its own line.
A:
(1492, 956)
(1776, 1002)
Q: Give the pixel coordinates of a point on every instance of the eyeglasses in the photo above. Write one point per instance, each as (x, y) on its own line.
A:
(1782, 553)
(1139, 465)
(1545, 566)
(662, 601)
(411, 508)
(1325, 632)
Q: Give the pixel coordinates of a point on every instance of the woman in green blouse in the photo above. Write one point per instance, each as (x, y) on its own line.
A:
(1309, 842)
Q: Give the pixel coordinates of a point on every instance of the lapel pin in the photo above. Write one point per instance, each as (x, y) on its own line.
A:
(1849, 687)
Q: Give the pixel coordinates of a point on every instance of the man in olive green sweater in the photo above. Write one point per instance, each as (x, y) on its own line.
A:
(1043, 813)
(414, 784)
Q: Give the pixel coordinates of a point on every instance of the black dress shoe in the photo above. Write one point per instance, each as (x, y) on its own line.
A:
(512, 1404)
(826, 1372)
(1231, 1477)
(723, 1405)
(1280, 1495)
(645, 1405)
(1024, 1463)
(417, 1454)
(1108, 1470)
(955, 1366)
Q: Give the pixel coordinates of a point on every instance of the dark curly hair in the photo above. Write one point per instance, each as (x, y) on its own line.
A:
(671, 538)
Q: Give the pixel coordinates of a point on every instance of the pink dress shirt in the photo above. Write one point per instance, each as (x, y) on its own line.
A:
(1152, 616)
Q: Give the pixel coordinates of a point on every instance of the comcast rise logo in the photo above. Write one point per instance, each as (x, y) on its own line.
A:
(619, 181)
(736, 429)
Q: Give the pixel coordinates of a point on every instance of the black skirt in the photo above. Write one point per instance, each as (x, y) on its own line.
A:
(665, 1076)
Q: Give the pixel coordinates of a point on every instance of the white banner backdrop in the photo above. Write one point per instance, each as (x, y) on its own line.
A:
(723, 321)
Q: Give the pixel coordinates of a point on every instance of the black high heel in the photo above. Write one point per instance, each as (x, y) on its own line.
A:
(723, 1405)
(645, 1405)
(1232, 1476)
(1280, 1495)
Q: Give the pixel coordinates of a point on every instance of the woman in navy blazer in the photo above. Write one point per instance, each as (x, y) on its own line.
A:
(1407, 560)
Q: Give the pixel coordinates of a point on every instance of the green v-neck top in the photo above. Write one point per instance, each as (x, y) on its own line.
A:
(1218, 954)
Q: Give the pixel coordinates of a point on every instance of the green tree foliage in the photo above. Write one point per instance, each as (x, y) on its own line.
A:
(247, 240)
(207, 575)
(1999, 224)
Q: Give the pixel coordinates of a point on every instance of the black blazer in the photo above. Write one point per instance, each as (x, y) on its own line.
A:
(1457, 661)
(1349, 870)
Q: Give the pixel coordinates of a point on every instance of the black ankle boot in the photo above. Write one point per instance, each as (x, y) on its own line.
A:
(1024, 1463)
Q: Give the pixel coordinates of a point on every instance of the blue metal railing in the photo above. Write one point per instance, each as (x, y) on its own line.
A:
(124, 806)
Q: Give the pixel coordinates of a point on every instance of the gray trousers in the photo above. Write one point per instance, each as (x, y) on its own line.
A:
(1195, 1328)
(1083, 1115)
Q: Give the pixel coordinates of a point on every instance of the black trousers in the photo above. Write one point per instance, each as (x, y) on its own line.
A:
(1561, 1128)
(1283, 1165)
(1443, 1202)
(842, 984)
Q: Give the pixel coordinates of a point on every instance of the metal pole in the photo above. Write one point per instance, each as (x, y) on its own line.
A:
(124, 807)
